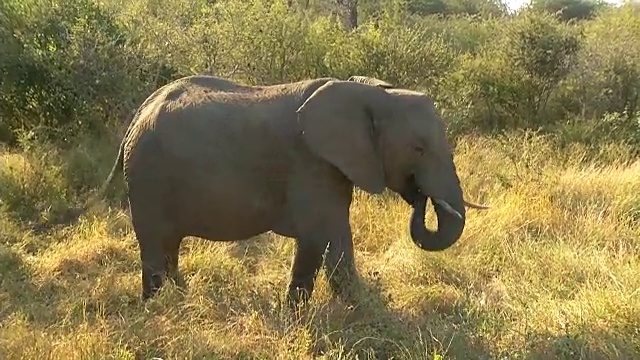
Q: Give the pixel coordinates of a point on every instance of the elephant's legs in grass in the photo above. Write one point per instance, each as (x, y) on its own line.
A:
(153, 267)
(172, 254)
(320, 202)
(339, 262)
(159, 255)
(156, 239)
(307, 260)
(340, 266)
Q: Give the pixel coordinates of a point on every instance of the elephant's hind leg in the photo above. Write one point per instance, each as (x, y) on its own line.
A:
(172, 254)
(157, 263)
(159, 252)
(158, 241)
(153, 266)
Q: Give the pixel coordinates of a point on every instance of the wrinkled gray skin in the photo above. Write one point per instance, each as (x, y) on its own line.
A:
(210, 158)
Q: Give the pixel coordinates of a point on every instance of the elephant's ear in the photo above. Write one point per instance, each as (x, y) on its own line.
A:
(337, 123)
(371, 81)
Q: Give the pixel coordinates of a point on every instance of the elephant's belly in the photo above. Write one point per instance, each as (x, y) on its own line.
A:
(228, 232)
(227, 215)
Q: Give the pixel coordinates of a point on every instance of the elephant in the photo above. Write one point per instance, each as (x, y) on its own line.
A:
(211, 158)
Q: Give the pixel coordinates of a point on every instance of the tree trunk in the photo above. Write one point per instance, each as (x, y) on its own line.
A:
(349, 9)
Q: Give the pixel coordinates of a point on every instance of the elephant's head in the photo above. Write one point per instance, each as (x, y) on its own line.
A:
(381, 137)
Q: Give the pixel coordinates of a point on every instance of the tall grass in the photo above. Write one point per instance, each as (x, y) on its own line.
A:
(550, 271)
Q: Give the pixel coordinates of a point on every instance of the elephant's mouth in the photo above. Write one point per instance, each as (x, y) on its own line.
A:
(411, 193)
(450, 218)
(450, 212)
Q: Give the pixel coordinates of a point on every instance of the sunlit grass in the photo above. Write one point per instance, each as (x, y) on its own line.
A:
(552, 270)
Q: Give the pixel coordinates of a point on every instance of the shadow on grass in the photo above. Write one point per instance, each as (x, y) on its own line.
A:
(375, 329)
(371, 328)
(436, 324)
(586, 344)
(19, 294)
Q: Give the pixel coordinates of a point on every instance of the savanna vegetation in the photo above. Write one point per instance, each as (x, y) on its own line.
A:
(543, 108)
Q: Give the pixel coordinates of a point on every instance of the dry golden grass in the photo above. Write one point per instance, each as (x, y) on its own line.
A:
(551, 271)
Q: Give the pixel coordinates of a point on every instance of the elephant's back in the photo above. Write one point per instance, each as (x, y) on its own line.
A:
(214, 83)
(189, 118)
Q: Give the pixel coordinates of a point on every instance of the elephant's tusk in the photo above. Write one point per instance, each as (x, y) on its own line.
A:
(475, 206)
(445, 205)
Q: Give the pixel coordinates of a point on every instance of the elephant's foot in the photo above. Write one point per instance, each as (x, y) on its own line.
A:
(304, 269)
(348, 290)
(180, 284)
(178, 280)
(298, 296)
(151, 284)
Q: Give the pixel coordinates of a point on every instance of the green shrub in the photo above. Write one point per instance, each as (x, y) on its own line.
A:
(567, 10)
(69, 67)
(75, 65)
(509, 82)
(606, 78)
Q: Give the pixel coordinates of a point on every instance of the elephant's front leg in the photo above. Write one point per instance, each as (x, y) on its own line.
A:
(307, 260)
(340, 263)
(334, 236)
(320, 200)
(306, 263)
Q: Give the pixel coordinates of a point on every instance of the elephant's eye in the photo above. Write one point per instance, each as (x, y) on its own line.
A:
(419, 149)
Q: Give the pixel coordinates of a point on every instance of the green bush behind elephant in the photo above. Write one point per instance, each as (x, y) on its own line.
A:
(211, 158)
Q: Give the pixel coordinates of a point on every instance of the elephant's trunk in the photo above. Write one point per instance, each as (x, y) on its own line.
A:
(450, 225)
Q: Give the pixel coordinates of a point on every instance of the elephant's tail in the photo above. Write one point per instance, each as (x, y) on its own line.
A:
(115, 169)
(74, 214)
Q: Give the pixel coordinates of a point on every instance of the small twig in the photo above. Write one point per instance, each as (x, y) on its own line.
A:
(233, 72)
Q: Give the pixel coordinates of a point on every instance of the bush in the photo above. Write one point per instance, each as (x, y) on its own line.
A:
(70, 67)
(83, 65)
(606, 78)
(568, 10)
(619, 129)
(509, 82)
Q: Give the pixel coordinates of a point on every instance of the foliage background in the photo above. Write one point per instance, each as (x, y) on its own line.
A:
(72, 65)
